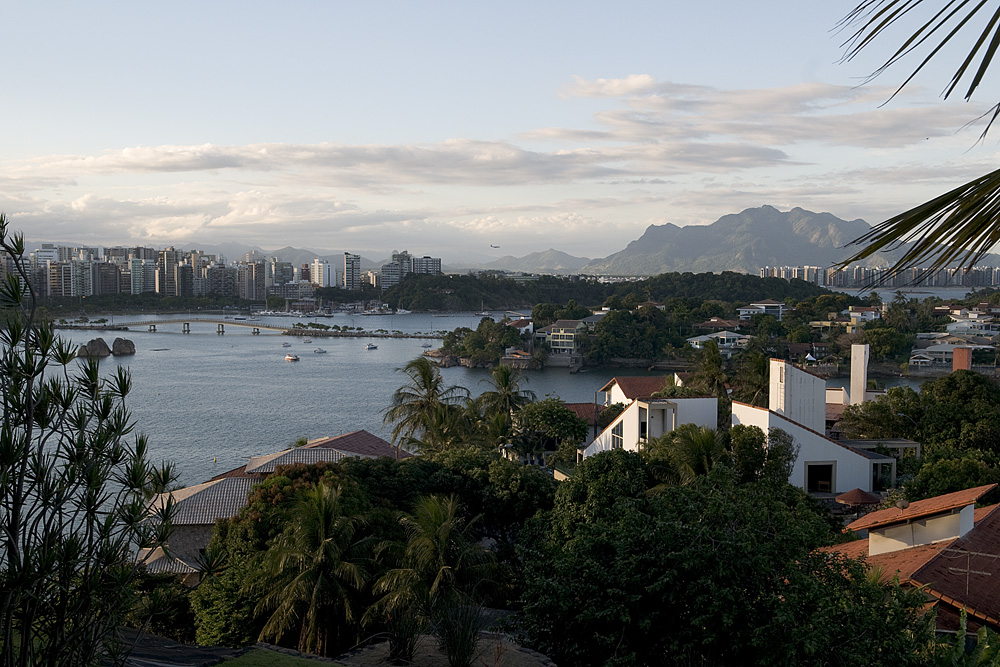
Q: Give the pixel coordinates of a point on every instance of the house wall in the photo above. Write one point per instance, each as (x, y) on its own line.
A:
(797, 395)
(836, 395)
(851, 470)
(859, 373)
(700, 411)
(661, 417)
(629, 419)
(922, 531)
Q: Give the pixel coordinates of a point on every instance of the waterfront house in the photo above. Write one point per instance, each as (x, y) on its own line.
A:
(195, 509)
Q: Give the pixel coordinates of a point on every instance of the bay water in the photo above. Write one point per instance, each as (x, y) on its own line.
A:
(209, 402)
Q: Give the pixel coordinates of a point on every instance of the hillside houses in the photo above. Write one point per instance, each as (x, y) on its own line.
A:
(798, 403)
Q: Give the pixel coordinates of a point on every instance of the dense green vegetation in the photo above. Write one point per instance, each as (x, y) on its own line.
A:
(469, 292)
(955, 418)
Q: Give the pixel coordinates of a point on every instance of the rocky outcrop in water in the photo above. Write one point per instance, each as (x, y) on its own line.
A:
(95, 348)
(122, 347)
(99, 348)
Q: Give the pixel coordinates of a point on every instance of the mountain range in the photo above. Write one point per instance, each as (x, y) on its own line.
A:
(743, 242)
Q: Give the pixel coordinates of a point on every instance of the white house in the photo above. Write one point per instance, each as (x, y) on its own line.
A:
(729, 343)
(763, 307)
(797, 405)
(645, 419)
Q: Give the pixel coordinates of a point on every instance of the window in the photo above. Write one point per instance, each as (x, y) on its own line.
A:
(617, 436)
(643, 419)
(820, 477)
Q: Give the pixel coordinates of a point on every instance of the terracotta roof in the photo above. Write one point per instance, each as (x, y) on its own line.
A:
(202, 504)
(767, 302)
(637, 387)
(968, 572)
(361, 443)
(858, 497)
(584, 411)
(921, 508)
(902, 563)
(519, 324)
(981, 513)
(235, 472)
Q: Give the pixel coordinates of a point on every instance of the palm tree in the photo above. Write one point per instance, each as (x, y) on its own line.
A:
(413, 404)
(441, 568)
(694, 450)
(963, 224)
(505, 397)
(444, 427)
(314, 570)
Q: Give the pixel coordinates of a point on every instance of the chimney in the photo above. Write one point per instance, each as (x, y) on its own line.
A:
(962, 359)
(859, 374)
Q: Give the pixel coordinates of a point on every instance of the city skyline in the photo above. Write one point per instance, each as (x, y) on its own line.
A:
(459, 128)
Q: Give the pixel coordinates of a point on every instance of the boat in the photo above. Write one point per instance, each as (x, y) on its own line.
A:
(286, 344)
(426, 345)
(403, 311)
(482, 310)
(371, 346)
(319, 350)
(291, 357)
(307, 340)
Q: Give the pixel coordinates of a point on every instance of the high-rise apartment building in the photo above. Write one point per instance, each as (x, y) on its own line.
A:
(321, 273)
(352, 271)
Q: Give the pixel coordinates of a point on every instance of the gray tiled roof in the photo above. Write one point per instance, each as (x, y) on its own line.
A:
(307, 455)
(158, 562)
(202, 504)
(362, 443)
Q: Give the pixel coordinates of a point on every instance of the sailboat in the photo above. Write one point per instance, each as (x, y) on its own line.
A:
(482, 310)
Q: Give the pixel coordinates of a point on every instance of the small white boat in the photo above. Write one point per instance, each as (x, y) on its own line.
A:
(307, 340)
(403, 311)
(286, 345)
(426, 345)
(371, 346)
(319, 350)
(291, 357)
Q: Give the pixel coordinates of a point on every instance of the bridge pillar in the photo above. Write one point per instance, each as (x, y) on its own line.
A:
(186, 327)
(255, 331)
(152, 328)
(221, 329)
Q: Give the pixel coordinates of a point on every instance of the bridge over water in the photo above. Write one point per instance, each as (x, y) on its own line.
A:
(255, 326)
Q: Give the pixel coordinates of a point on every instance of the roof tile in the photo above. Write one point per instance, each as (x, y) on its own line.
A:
(921, 508)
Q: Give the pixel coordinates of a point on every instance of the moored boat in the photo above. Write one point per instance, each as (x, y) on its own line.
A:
(319, 350)
(291, 357)
(371, 346)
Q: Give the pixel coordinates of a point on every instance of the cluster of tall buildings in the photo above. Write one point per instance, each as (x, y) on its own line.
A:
(61, 271)
(862, 276)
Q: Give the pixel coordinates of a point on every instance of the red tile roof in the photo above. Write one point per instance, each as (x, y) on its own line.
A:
(584, 411)
(968, 572)
(637, 387)
(921, 508)
(902, 563)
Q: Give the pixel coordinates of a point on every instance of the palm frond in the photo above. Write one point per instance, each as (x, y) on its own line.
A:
(871, 19)
(960, 227)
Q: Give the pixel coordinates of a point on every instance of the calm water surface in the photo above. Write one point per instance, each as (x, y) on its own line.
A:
(208, 402)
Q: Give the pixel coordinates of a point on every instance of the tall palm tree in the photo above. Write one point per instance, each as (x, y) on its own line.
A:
(963, 224)
(505, 397)
(441, 568)
(314, 570)
(413, 405)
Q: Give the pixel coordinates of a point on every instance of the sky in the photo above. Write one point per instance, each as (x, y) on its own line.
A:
(447, 128)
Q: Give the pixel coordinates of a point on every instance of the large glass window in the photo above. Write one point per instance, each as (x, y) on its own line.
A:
(617, 436)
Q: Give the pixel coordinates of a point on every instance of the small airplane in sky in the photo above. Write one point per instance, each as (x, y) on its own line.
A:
(494, 246)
